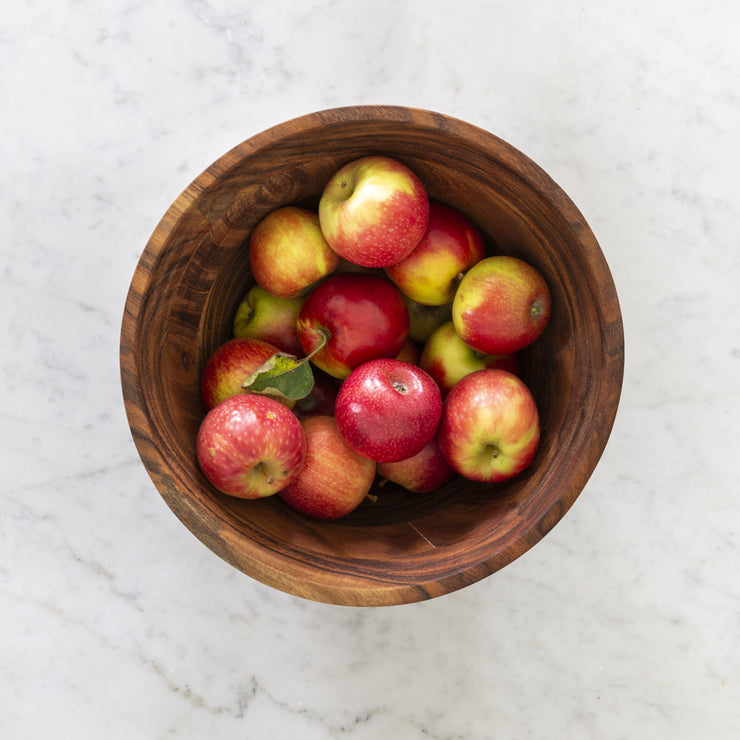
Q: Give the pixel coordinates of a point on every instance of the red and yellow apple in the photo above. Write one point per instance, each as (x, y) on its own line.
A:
(334, 479)
(501, 305)
(250, 446)
(230, 365)
(490, 426)
(288, 252)
(448, 359)
(450, 246)
(374, 211)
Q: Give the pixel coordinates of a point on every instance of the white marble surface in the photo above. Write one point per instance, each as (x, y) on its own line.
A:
(624, 622)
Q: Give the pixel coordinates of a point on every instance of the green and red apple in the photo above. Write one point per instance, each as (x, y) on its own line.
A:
(262, 315)
(448, 359)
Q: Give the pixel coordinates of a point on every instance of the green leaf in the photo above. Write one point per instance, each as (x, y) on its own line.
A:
(282, 376)
(285, 376)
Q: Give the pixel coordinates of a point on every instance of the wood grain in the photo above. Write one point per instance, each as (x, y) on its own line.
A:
(405, 547)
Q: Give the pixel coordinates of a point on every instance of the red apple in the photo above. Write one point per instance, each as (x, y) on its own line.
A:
(334, 479)
(388, 410)
(448, 359)
(374, 211)
(288, 252)
(490, 427)
(502, 304)
(425, 471)
(229, 366)
(262, 315)
(250, 446)
(320, 400)
(363, 317)
(451, 246)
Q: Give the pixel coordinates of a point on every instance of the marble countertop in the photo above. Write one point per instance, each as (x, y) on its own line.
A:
(624, 622)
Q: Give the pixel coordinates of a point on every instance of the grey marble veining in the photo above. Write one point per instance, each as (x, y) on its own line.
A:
(115, 622)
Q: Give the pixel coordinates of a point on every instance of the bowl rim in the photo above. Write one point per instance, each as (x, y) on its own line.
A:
(318, 585)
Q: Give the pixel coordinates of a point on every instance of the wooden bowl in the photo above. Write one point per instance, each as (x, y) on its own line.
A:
(404, 547)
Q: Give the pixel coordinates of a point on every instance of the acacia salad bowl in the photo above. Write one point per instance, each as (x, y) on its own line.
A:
(397, 547)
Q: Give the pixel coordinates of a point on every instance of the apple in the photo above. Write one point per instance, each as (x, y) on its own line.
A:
(374, 211)
(490, 427)
(362, 317)
(288, 252)
(448, 359)
(450, 246)
(409, 353)
(502, 305)
(320, 400)
(388, 410)
(250, 446)
(334, 479)
(423, 472)
(230, 365)
(262, 315)
(423, 320)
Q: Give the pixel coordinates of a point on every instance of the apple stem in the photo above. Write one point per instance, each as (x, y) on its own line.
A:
(268, 478)
(455, 282)
(325, 335)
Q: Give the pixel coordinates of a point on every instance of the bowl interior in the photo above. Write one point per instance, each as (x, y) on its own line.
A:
(401, 547)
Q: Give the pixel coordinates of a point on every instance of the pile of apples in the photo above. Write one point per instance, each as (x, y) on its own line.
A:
(409, 335)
